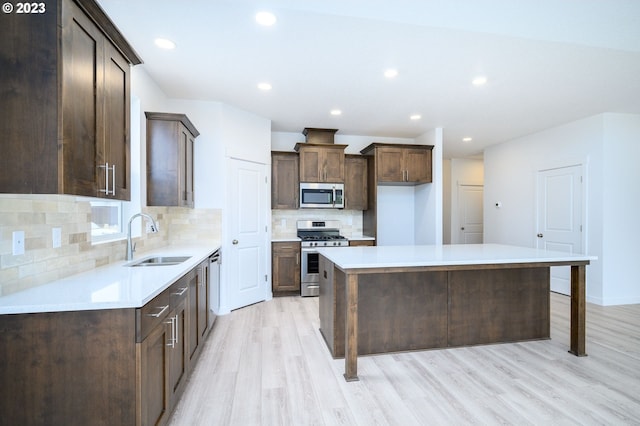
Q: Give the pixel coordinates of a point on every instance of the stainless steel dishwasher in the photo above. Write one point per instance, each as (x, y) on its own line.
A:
(214, 284)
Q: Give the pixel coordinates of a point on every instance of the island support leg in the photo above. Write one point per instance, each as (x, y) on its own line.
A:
(578, 310)
(351, 330)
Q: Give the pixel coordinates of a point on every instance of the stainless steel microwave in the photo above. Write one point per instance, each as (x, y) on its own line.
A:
(322, 195)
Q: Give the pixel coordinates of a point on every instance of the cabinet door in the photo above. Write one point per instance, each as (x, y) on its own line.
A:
(203, 300)
(333, 165)
(417, 165)
(116, 124)
(390, 164)
(178, 352)
(311, 159)
(154, 376)
(185, 166)
(355, 182)
(285, 267)
(82, 110)
(285, 181)
(194, 339)
(189, 171)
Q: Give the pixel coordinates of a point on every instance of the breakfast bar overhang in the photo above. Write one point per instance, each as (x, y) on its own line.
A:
(396, 298)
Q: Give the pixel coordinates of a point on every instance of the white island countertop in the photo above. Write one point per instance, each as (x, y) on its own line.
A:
(443, 255)
(114, 286)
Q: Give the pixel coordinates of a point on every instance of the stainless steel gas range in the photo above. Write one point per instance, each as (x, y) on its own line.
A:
(314, 234)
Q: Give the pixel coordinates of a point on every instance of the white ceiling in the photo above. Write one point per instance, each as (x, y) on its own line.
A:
(547, 62)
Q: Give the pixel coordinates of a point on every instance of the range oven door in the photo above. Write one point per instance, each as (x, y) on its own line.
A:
(310, 273)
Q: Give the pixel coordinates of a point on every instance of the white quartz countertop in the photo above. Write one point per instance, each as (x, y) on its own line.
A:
(442, 255)
(114, 286)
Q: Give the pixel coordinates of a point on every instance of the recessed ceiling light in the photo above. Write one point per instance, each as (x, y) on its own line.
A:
(415, 117)
(335, 112)
(467, 139)
(264, 86)
(266, 19)
(391, 73)
(479, 80)
(164, 43)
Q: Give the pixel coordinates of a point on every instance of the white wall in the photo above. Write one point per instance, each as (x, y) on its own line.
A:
(603, 144)
(621, 208)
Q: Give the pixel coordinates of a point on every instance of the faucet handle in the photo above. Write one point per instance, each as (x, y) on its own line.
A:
(133, 246)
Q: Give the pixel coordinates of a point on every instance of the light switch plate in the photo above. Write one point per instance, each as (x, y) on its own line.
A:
(18, 243)
(56, 236)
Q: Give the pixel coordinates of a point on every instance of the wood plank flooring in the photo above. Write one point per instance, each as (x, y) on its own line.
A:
(267, 364)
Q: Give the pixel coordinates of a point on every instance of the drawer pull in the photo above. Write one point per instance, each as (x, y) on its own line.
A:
(181, 292)
(158, 314)
(172, 339)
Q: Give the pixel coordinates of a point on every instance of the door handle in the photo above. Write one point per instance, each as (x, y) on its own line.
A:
(539, 235)
(234, 242)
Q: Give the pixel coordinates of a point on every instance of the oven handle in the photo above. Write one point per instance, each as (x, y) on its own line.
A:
(334, 195)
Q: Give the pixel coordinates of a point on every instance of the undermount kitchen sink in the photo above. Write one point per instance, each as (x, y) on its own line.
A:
(160, 261)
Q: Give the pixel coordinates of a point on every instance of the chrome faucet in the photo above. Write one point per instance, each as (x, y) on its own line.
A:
(131, 247)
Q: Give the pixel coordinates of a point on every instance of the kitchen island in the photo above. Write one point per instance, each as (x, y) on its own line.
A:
(397, 298)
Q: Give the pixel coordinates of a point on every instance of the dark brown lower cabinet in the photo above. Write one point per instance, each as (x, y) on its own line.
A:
(68, 368)
(154, 376)
(198, 309)
(102, 367)
(285, 268)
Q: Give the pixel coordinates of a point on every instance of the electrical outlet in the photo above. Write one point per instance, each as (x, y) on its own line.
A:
(56, 236)
(18, 243)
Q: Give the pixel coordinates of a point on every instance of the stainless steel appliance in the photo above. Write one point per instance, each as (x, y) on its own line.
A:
(314, 234)
(322, 195)
(214, 284)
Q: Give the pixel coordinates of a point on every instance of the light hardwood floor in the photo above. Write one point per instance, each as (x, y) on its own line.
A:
(267, 364)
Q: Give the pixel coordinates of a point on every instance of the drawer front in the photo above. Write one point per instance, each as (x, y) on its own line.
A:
(152, 314)
(180, 289)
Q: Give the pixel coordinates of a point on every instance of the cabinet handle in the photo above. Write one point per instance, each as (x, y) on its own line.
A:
(106, 168)
(158, 314)
(176, 336)
(172, 339)
(113, 180)
(181, 292)
(297, 258)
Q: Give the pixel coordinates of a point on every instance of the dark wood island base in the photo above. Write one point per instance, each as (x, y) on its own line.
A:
(380, 310)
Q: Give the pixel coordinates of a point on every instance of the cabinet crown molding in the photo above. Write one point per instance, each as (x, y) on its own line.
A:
(170, 116)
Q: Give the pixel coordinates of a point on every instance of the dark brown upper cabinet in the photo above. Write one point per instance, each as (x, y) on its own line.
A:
(65, 102)
(321, 162)
(355, 182)
(170, 150)
(285, 183)
(401, 164)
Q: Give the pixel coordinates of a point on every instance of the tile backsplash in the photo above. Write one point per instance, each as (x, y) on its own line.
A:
(37, 215)
(283, 222)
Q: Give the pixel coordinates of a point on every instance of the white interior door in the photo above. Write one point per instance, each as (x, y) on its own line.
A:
(470, 205)
(246, 278)
(560, 218)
